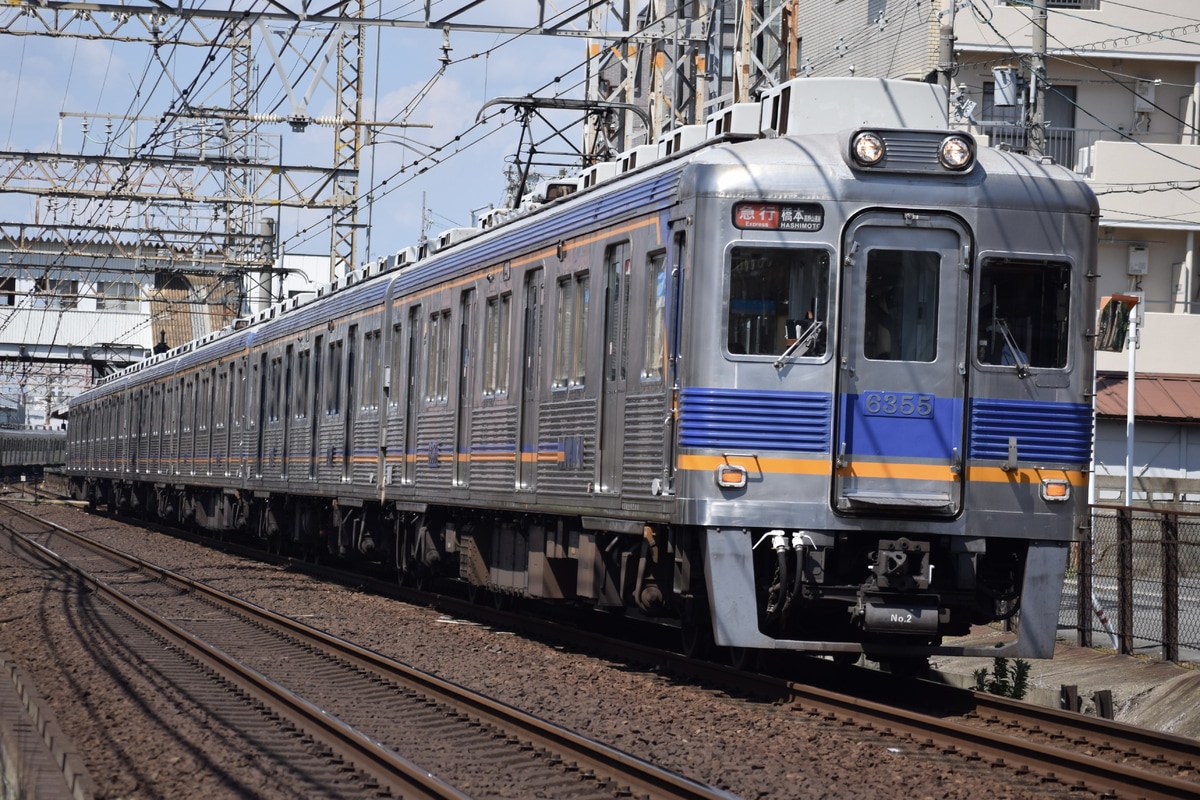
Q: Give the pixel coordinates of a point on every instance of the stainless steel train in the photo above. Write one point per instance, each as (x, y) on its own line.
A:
(814, 376)
(27, 451)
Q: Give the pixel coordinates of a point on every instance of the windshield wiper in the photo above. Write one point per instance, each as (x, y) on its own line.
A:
(804, 341)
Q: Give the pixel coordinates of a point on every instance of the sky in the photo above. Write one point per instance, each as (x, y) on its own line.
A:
(44, 78)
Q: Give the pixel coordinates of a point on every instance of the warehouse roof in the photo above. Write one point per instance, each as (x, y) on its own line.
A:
(1159, 397)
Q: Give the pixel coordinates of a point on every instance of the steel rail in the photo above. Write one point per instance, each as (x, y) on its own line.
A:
(641, 777)
(384, 765)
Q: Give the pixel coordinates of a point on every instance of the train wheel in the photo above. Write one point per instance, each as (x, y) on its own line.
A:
(908, 666)
(695, 628)
(845, 659)
(745, 659)
(477, 595)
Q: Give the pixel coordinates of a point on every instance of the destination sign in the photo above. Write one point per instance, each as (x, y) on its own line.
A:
(779, 216)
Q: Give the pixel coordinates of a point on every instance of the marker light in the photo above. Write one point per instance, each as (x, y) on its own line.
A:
(1056, 491)
(956, 153)
(868, 149)
(731, 476)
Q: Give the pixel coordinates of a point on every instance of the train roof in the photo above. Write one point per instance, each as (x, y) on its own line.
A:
(31, 432)
(797, 166)
(799, 126)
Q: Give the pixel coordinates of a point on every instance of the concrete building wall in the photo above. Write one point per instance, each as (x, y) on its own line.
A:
(876, 38)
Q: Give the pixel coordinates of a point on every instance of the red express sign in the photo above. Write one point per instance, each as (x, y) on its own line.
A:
(779, 216)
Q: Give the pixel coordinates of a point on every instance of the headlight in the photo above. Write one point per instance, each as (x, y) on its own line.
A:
(956, 153)
(868, 149)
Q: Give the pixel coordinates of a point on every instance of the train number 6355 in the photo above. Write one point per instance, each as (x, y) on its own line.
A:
(897, 404)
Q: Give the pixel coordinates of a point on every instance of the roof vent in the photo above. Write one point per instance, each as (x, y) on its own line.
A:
(407, 257)
(452, 237)
(639, 156)
(738, 121)
(598, 172)
(680, 139)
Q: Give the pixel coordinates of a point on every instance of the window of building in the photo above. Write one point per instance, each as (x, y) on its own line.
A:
(1006, 124)
(55, 293)
(117, 296)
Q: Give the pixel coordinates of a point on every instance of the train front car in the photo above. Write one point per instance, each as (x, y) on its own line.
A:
(884, 420)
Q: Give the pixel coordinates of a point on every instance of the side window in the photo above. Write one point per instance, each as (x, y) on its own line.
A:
(370, 370)
(276, 382)
(221, 400)
(333, 394)
(570, 331)
(202, 402)
(318, 376)
(496, 344)
(395, 395)
(239, 396)
(656, 318)
(778, 301)
(302, 368)
(437, 378)
(1023, 318)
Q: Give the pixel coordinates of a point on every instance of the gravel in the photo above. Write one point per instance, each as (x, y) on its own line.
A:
(752, 749)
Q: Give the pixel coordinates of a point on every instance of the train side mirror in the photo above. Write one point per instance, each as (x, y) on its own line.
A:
(1113, 328)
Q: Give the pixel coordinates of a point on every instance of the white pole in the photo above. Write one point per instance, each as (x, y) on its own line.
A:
(1130, 382)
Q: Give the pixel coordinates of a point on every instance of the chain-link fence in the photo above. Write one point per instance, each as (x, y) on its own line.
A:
(1135, 585)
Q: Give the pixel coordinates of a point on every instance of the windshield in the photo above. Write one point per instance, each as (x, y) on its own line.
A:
(778, 299)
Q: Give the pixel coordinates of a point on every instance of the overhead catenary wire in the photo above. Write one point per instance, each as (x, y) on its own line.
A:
(156, 135)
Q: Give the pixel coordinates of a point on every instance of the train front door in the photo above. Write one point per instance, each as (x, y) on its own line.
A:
(898, 434)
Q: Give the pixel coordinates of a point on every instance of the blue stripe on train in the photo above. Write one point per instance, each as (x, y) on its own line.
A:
(1046, 432)
(737, 419)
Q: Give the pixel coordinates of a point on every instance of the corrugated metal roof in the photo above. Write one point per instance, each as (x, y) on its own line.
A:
(1159, 397)
(187, 310)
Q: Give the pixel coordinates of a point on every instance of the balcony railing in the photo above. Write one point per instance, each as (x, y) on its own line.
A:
(1071, 147)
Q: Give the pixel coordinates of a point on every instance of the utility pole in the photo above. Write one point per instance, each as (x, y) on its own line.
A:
(946, 46)
(1037, 83)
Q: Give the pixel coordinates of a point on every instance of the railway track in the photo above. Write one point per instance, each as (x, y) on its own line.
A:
(1082, 755)
(345, 709)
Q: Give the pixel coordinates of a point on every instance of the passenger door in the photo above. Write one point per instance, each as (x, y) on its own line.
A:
(466, 386)
(612, 395)
(531, 349)
(901, 383)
